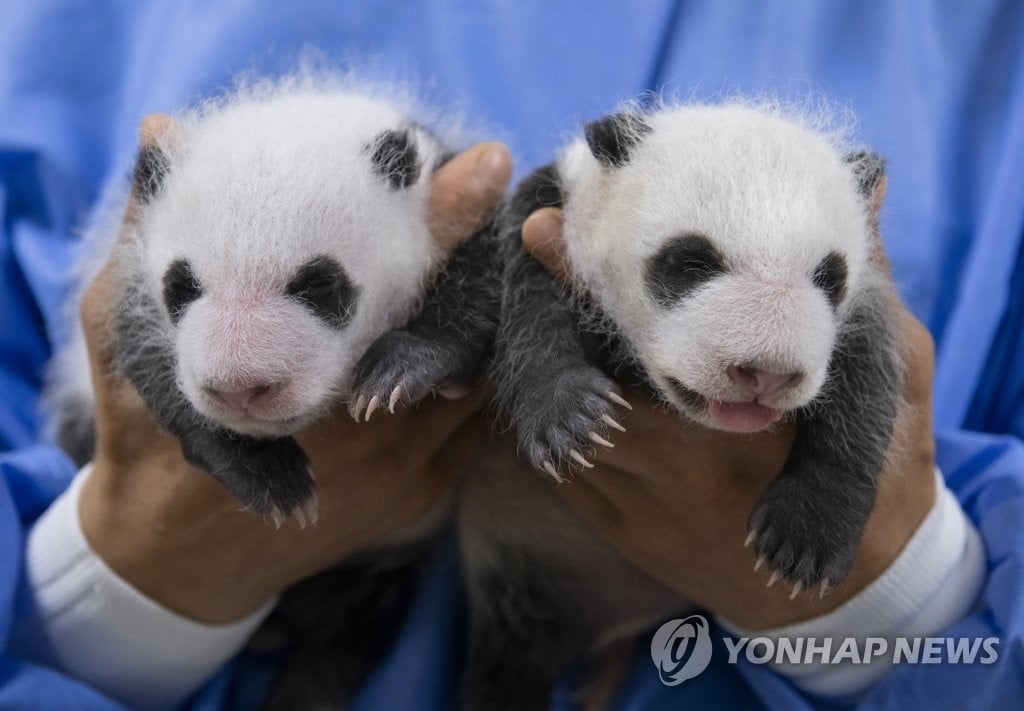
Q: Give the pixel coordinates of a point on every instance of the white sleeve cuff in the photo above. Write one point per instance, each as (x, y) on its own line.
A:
(931, 584)
(98, 628)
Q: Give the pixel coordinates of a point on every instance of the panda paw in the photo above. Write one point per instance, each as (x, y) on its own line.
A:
(567, 417)
(403, 367)
(801, 536)
(305, 514)
(269, 477)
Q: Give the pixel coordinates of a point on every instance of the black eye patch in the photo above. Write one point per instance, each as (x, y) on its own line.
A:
(830, 277)
(324, 287)
(181, 288)
(681, 266)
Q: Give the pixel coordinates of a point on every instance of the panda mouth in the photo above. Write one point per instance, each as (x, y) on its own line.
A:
(690, 398)
(745, 416)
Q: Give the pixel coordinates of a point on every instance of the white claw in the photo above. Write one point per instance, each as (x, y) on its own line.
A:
(750, 538)
(772, 579)
(797, 587)
(358, 409)
(372, 407)
(396, 395)
(758, 564)
(618, 399)
(824, 588)
(612, 423)
(311, 510)
(550, 469)
(277, 518)
(598, 439)
(579, 458)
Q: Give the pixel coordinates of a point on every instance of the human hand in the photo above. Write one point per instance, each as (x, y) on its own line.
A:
(171, 530)
(674, 498)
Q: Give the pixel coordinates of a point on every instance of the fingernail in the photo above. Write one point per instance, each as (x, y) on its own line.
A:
(545, 223)
(494, 164)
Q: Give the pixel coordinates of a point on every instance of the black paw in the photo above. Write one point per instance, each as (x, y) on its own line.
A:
(804, 535)
(404, 367)
(565, 417)
(270, 477)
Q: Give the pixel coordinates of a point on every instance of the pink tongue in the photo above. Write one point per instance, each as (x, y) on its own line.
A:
(742, 416)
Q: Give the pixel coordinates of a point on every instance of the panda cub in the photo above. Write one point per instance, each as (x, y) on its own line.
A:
(279, 233)
(721, 258)
(278, 262)
(721, 255)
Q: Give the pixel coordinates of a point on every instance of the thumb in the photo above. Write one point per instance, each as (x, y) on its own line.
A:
(542, 237)
(465, 191)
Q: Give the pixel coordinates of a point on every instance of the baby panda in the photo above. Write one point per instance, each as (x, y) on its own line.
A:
(280, 231)
(279, 248)
(721, 253)
(721, 257)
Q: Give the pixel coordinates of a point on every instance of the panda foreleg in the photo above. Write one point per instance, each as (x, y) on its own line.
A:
(558, 403)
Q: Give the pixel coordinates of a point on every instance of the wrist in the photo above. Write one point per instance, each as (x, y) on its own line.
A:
(177, 539)
(88, 621)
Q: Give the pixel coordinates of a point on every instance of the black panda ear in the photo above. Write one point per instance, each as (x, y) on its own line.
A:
(872, 182)
(152, 162)
(151, 166)
(394, 156)
(869, 169)
(612, 138)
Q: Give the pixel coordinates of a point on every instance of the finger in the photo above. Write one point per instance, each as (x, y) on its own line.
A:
(154, 127)
(100, 298)
(465, 191)
(918, 359)
(95, 313)
(542, 237)
(98, 301)
(155, 130)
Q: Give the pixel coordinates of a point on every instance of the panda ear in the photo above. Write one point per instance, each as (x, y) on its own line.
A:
(612, 138)
(869, 170)
(394, 156)
(872, 182)
(152, 162)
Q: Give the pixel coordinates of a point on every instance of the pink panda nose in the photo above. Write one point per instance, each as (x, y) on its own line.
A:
(762, 383)
(243, 399)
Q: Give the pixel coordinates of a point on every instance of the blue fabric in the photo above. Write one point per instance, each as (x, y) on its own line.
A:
(939, 89)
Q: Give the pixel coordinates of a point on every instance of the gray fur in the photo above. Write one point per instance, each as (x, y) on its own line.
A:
(335, 627)
(548, 390)
(76, 428)
(543, 589)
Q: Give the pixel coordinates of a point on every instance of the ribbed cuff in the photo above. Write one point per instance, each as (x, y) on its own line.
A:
(931, 584)
(100, 629)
